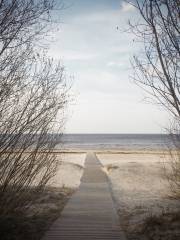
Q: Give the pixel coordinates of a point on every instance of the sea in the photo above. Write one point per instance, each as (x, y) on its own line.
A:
(116, 141)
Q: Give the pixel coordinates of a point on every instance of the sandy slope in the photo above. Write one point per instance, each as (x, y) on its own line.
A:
(139, 185)
(61, 187)
(70, 170)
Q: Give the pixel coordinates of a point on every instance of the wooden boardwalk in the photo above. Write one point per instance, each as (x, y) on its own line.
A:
(90, 213)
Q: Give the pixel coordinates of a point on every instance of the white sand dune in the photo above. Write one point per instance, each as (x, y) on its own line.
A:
(138, 184)
(70, 170)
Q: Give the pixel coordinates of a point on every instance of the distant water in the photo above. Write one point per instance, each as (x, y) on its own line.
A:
(116, 141)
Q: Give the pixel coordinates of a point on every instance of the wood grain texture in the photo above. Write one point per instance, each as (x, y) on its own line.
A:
(90, 213)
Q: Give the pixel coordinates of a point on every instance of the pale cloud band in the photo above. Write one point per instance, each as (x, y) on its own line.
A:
(96, 50)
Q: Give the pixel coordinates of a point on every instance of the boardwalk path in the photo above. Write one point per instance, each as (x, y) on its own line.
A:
(90, 213)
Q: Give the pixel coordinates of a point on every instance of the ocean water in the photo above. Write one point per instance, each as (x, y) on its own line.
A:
(116, 141)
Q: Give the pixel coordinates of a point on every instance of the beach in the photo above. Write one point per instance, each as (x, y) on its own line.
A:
(60, 187)
(140, 188)
(137, 181)
(70, 170)
(136, 169)
(41, 209)
(137, 185)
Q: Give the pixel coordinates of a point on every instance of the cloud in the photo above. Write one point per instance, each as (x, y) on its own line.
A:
(78, 56)
(94, 35)
(95, 49)
(72, 55)
(115, 64)
(98, 17)
(127, 7)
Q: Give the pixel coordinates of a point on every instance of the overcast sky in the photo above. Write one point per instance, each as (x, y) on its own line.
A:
(97, 54)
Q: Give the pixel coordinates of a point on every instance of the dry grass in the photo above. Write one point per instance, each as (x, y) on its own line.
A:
(110, 167)
(32, 222)
(165, 226)
(142, 194)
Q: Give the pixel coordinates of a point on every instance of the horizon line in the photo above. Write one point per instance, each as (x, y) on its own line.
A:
(116, 133)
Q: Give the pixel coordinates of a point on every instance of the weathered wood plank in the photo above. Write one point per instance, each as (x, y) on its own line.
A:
(90, 213)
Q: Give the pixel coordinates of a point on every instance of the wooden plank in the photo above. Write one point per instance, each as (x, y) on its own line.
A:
(90, 213)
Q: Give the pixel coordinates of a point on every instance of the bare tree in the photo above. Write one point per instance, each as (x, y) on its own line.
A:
(27, 134)
(158, 69)
(157, 66)
(32, 99)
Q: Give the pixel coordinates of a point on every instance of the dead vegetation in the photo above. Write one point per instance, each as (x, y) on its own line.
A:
(157, 71)
(31, 220)
(165, 226)
(32, 101)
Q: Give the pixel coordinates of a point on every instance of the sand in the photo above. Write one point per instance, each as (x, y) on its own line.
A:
(61, 187)
(70, 170)
(139, 186)
(137, 180)
(137, 183)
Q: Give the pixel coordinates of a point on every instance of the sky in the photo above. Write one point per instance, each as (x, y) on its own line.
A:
(96, 50)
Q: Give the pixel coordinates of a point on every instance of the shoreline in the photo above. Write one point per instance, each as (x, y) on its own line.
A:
(113, 151)
(105, 150)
